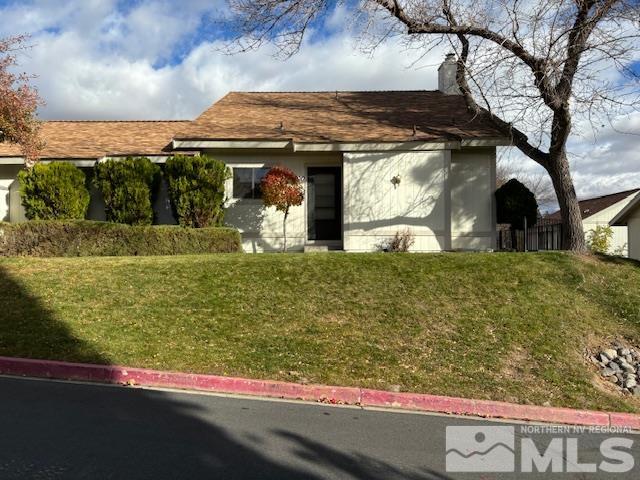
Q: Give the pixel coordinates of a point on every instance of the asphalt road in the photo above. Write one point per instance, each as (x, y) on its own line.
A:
(55, 430)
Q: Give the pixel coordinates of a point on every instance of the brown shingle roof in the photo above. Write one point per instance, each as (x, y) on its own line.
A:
(95, 139)
(342, 117)
(300, 116)
(592, 206)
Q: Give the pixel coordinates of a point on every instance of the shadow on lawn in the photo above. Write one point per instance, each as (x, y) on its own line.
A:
(67, 431)
(617, 260)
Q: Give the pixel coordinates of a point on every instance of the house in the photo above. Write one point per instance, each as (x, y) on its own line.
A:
(373, 163)
(601, 211)
(629, 218)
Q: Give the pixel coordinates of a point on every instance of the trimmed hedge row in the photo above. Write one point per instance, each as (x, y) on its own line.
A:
(80, 238)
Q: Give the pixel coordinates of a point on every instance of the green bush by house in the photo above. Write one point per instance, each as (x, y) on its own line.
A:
(196, 189)
(514, 203)
(128, 187)
(54, 191)
(89, 238)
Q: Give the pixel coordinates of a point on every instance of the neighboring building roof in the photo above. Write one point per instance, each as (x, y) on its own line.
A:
(592, 206)
(322, 117)
(623, 215)
(96, 139)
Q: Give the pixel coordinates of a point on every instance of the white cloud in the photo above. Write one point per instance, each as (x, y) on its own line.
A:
(79, 80)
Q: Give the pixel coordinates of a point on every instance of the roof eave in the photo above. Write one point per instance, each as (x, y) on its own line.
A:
(622, 217)
(336, 146)
(231, 143)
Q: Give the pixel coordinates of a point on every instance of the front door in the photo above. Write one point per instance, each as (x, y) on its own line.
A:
(324, 203)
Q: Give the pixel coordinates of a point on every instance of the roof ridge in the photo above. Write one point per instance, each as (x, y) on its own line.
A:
(334, 91)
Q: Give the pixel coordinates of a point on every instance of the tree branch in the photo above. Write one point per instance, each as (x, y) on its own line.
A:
(519, 139)
(536, 64)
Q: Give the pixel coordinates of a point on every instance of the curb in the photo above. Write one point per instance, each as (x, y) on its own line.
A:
(318, 393)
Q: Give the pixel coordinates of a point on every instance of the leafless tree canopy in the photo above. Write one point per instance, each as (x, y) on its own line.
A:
(542, 67)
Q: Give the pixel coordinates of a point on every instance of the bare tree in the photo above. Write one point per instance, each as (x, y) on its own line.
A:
(18, 102)
(536, 67)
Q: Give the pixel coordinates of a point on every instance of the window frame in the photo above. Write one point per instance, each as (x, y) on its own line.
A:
(254, 184)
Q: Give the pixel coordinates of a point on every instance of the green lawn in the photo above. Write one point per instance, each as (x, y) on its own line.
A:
(498, 326)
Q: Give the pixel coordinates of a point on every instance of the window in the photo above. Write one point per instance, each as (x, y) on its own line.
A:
(246, 182)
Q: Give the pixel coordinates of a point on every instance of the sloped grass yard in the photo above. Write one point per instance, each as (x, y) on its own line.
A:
(499, 326)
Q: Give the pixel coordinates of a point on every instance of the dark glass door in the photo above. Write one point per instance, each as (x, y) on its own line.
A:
(324, 203)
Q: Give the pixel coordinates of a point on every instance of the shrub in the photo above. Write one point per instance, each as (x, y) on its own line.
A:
(400, 242)
(128, 187)
(281, 188)
(54, 191)
(196, 189)
(88, 238)
(599, 239)
(514, 203)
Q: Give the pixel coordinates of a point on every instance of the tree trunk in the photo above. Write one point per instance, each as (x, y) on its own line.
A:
(572, 231)
(284, 230)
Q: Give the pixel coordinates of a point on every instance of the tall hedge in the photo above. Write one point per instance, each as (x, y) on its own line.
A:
(54, 191)
(196, 189)
(80, 238)
(128, 187)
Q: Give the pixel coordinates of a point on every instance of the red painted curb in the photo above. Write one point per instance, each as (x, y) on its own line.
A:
(140, 376)
(628, 420)
(320, 393)
(482, 408)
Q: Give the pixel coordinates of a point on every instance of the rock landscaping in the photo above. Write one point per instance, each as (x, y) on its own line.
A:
(620, 366)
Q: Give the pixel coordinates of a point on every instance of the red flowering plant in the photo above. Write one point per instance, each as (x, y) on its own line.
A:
(18, 103)
(281, 188)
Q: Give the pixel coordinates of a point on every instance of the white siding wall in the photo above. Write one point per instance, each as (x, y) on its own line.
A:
(7, 177)
(473, 225)
(261, 227)
(11, 209)
(445, 199)
(374, 210)
(620, 240)
(634, 234)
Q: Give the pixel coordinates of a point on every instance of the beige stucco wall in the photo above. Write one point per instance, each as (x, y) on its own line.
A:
(473, 174)
(375, 209)
(261, 227)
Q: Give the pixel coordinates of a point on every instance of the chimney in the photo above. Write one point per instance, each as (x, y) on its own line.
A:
(447, 76)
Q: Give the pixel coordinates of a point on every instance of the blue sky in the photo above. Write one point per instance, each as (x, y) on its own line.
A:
(155, 59)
